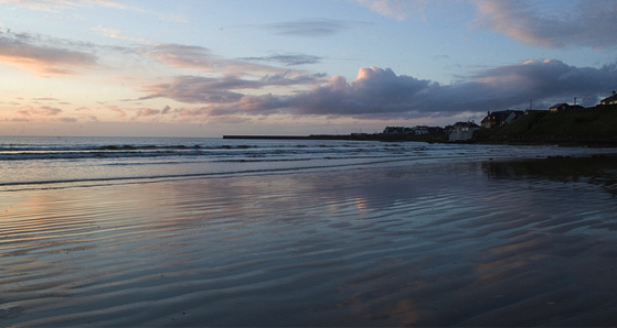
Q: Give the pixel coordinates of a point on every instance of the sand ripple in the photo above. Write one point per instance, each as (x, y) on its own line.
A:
(420, 245)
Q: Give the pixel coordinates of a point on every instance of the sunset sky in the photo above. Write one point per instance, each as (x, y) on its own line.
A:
(205, 68)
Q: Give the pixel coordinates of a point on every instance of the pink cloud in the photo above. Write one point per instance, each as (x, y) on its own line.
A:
(147, 112)
(39, 111)
(200, 58)
(40, 114)
(47, 111)
(31, 53)
(23, 113)
(227, 89)
(194, 111)
(120, 112)
(397, 9)
(589, 23)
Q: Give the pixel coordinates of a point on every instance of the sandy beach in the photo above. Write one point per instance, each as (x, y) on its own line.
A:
(488, 243)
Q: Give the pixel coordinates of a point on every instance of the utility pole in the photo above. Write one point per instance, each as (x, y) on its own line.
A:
(530, 103)
(574, 101)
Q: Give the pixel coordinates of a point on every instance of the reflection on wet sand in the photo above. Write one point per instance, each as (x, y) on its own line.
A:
(423, 245)
(599, 170)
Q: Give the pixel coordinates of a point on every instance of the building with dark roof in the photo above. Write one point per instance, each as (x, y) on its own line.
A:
(499, 118)
(612, 100)
(563, 107)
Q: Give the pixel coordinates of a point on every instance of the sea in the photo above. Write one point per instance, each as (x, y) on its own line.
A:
(52, 162)
(210, 232)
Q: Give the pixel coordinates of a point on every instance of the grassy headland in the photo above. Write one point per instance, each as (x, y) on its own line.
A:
(593, 126)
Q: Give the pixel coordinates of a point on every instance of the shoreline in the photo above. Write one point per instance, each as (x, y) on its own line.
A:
(380, 137)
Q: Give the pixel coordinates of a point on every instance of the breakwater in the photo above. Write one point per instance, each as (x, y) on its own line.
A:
(354, 136)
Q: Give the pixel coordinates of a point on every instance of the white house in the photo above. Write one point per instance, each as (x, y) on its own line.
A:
(421, 129)
(463, 131)
(394, 130)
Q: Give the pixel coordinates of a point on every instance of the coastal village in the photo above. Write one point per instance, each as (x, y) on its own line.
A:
(561, 123)
(464, 131)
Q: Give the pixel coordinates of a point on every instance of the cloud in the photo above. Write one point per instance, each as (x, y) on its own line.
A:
(196, 89)
(590, 23)
(375, 92)
(190, 89)
(183, 56)
(57, 5)
(379, 93)
(441, 57)
(310, 28)
(547, 79)
(117, 34)
(397, 9)
(45, 114)
(200, 58)
(168, 114)
(288, 60)
(32, 53)
(120, 111)
(39, 111)
(45, 99)
(67, 119)
(139, 112)
(201, 111)
(147, 112)
(142, 112)
(48, 111)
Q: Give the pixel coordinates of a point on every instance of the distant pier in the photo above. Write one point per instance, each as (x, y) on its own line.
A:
(288, 137)
(354, 136)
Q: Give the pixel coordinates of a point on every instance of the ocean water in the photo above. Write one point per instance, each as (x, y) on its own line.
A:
(51, 162)
(142, 232)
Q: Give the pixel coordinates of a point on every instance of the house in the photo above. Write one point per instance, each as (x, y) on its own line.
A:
(462, 131)
(612, 100)
(435, 130)
(394, 130)
(500, 118)
(418, 130)
(563, 107)
(559, 107)
(421, 129)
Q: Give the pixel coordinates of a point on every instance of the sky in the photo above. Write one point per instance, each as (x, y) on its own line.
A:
(205, 68)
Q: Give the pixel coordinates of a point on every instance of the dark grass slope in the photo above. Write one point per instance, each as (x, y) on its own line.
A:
(593, 125)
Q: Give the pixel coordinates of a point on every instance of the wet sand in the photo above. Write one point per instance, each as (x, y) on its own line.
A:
(468, 244)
